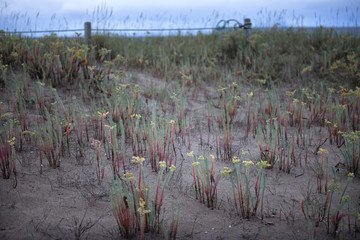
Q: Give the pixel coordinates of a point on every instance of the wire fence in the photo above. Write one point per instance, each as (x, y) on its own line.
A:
(116, 30)
(222, 25)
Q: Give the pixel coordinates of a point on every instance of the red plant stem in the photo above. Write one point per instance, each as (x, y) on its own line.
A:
(248, 117)
(157, 209)
(257, 193)
(241, 200)
(86, 130)
(189, 136)
(41, 161)
(172, 137)
(200, 138)
(195, 183)
(217, 147)
(200, 188)
(254, 124)
(209, 122)
(293, 151)
(141, 195)
(349, 222)
(322, 170)
(288, 165)
(285, 127)
(281, 159)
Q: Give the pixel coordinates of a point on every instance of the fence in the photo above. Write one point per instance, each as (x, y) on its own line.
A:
(222, 25)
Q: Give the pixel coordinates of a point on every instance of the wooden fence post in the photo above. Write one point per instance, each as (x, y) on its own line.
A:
(87, 29)
(247, 26)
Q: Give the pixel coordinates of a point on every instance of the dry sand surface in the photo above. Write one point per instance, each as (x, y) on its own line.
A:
(58, 202)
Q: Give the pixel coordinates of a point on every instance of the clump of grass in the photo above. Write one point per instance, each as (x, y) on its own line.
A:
(271, 134)
(130, 199)
(351, 154)
(159, 196)
(50, 140)
(124, 199)
(205, 181)
(245, 202)
(321, 170)
(7, 160)
(100, 167)
(175, 215)
(160, 141)
(78, 122)
(321, 210)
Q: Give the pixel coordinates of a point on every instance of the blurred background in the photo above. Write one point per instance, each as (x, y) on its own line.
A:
(26, 15)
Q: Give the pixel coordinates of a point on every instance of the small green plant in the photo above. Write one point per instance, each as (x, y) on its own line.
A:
(159, 196)
(100, 167)
(268, 150)
(174, 221)
(245, 202)
(50, 140)
(321, 170)
(130, 200)
(205, 183)
(125, 199)
(351, 154)
(7, 160)
(322, 210)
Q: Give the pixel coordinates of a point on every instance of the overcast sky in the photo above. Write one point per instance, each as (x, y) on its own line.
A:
(42, 14)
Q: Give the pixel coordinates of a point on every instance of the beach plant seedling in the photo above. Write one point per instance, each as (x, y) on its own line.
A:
(22, 113)
(160, 140)
(142, 197)
(159, 196)
(130, 200)
(49, 58)
(119, 102)
(7, 160)
(122, 144)
(135, 133)
(125, 202)
(271, 134)
(237, 185)
(321, 170)
(248, 113)
(322, 210)
(40, 96)
(78, 121)
(248, 198)
(335, 216)
(100, 129)
(245, 202)
(260, 185)
(23, 123)
(175, 215)
(113, 154)
(227, 121)
(100, 167)
(205, 182)
(351, 153)
(3, 73)
(50, 140)
(34, 59)
(333, 132)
